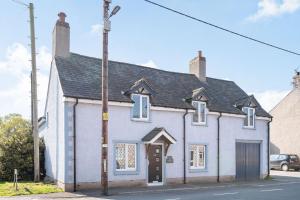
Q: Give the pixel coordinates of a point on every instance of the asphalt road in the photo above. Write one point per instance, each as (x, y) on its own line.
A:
(285, 185)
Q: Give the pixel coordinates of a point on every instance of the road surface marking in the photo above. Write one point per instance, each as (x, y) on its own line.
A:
(271, 190)
(228, 193)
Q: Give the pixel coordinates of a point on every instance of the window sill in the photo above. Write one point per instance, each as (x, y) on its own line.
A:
(140, 120)
(198, 170)
(120, 173)
(249, 127)
(199, 124)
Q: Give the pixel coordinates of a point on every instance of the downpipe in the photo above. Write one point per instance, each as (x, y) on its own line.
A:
(218, 149)
(184, 146)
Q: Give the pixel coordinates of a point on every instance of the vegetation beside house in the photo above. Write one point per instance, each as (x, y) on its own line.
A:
(16, 152)
(26, 188)
(16, 148)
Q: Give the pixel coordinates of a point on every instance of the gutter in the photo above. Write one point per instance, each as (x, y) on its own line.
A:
(74, 143)
(184, 146)
(218, 149)
(268, 156)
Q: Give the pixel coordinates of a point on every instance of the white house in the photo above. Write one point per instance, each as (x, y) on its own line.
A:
(164, 127)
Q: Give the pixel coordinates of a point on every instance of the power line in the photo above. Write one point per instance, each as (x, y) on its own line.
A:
(223, 29)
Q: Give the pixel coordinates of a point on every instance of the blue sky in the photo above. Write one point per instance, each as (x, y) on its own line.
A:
(145, 34)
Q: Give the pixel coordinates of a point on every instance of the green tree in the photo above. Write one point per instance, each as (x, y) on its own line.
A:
(16, 147)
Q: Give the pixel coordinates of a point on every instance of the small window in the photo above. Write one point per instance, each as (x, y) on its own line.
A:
(199, 116)
(140, 108)
(197, 156)
(250, 117)
(125, 157)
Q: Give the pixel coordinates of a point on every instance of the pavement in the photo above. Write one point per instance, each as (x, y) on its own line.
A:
(284, 185)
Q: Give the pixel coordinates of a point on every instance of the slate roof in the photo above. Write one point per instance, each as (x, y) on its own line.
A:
(80, 78)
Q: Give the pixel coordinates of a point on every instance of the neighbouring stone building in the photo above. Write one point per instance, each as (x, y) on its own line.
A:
(285, 127)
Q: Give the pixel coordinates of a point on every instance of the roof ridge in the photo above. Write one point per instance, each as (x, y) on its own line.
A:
(120, 62)
(219, 79)
(136, 65)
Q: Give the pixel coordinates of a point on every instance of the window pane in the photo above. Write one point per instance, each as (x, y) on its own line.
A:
(131, 155)
(120, 156)
(202, 112)
(245, 110)
(192, 158)
(145, 107)
(251, 115)
(136, 106)
(195, 115)
(201, 156)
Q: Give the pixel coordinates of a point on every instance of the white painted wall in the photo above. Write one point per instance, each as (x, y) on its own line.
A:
(122, 128)
(232, 131)
(54, 132)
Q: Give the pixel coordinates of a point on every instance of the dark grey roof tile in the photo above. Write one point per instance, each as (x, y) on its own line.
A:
(80, 77)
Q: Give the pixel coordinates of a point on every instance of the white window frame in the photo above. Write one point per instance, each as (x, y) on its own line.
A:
(248, 117)
(126, 157)
(197, 156)
(199, 103)
(141, 118)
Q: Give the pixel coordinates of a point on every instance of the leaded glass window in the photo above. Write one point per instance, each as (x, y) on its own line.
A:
(125, 157)
(197, 156)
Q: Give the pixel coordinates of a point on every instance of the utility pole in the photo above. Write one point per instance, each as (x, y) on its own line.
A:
(104, 166)
(104, 147)
(34, 98)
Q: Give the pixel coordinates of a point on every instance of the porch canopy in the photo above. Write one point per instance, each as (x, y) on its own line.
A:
(159, 135)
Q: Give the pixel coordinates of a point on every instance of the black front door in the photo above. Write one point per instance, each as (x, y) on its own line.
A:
(155, 164)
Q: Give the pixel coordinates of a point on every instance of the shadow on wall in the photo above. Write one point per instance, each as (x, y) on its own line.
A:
(274, 149)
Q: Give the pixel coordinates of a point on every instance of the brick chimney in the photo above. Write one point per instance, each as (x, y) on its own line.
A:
(296, 80)
(61, 37)
(198, 66)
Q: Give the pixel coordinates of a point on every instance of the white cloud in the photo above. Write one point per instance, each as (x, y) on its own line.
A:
(150, 64)
(269, 99)
(16, 67)
(96, 28)
(271, 8)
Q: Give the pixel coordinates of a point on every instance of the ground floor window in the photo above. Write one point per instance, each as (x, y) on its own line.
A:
(125, 157)
(197, 156)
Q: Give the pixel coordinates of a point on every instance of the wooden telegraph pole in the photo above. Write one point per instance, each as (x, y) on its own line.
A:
(104, 166)
(34, 98)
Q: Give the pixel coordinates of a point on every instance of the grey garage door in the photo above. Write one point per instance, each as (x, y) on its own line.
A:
(247, 161)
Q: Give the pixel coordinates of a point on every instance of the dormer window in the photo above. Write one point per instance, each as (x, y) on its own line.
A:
(249, 121)
(140, 110)
(199, 117)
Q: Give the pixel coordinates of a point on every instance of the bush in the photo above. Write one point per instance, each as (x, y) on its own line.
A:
(16, 148)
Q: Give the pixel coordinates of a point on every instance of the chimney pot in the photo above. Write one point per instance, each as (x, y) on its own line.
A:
(61, 37)
(62, 17)
(296, 80)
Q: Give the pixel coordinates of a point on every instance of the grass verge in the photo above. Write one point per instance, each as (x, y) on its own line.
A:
(26, 188)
